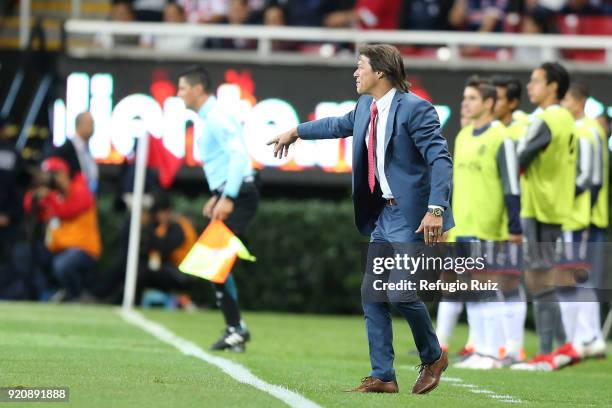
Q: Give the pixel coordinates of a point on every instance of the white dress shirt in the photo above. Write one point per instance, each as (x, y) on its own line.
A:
(383, 105)
(88, 164)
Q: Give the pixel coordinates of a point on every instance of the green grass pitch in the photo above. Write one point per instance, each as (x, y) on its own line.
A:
(107, 362)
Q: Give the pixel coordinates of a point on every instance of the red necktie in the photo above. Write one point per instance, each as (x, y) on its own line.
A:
(372, 147)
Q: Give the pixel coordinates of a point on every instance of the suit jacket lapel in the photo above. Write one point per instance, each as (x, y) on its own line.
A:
(391, 118)
(360, 133)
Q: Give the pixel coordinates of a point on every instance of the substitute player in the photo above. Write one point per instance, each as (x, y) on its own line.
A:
(486, 202)
(509, 90)
(575, 236)
(583, 316)
(547, 157)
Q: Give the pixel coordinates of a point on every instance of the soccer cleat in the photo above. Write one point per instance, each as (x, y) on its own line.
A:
(513, 358)
(541, 362)
(565, 355)
(465, 352)
(479, 362)
(233, 339)
(594, 349)
(509, 361)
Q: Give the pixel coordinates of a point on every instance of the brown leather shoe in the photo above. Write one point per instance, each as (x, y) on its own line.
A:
(373, 384)
(429, 375)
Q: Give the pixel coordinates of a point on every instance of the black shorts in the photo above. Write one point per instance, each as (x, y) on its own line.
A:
(245, 207)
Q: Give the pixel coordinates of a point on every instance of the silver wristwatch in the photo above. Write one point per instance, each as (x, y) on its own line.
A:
(437, 211)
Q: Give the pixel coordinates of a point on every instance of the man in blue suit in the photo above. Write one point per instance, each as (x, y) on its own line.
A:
(402, 174)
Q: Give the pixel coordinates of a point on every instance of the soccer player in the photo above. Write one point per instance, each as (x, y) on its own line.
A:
(547, 157)
(575, 230)
(599, 223)
(509, 90)
(582, 319)
(486, 202)
(230, 178)
(451, 306)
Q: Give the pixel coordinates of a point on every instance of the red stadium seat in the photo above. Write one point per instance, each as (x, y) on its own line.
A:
(585, 25)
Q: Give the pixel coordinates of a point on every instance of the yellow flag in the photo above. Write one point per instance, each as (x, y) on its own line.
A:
(214, 254)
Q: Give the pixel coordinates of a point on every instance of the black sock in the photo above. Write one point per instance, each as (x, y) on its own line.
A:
(228, 306)
(548, 321)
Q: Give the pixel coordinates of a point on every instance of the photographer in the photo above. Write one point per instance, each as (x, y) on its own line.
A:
(72, 241)
(167, 237)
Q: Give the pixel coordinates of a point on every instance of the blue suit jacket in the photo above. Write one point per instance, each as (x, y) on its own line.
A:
(418, 165)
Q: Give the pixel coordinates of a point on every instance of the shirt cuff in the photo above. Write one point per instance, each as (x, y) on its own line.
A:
(433, 207)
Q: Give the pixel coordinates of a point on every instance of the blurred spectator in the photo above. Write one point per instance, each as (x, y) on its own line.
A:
(274, 15)
(110, 285)
(205, 11)
(67, 207)
(173, 13)
(303, 13)
(538, 21)
(426, 14)
(121, 11)
(148, 10)
(367, 14)
(477, 15)
(239, 13)
(167, 237)
(550, 5)
(582, 7)
(75, 151)
(257, 6)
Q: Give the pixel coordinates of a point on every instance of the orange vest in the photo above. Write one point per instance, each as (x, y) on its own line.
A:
(79, 232)
(189, 238)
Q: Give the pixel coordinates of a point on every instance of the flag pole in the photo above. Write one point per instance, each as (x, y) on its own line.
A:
(136, 211)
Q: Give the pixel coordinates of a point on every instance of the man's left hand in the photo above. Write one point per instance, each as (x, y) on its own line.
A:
(223, 209)
(431, 227)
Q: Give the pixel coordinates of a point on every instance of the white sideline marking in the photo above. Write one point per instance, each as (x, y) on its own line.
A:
(458, 382)
(475, 389)
(234, 370)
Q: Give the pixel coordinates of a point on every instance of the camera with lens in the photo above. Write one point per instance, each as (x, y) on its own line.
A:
(44, 179)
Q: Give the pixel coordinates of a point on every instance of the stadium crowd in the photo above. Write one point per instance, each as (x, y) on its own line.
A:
(514, 16)
(470, 15)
